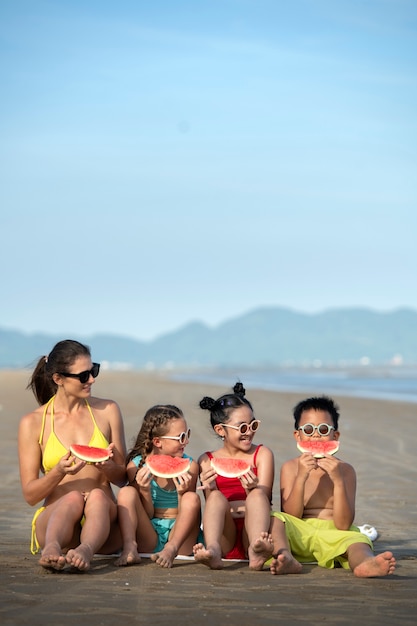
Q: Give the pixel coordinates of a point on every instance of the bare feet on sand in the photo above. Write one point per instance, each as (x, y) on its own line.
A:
(260, 551)
(166, 556)
(285, 563)
(52, 557)
(208, 556)
(380, 565)
(128, 557)
(80, 557)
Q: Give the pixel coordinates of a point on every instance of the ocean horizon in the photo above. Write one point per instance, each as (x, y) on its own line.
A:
(384, 383)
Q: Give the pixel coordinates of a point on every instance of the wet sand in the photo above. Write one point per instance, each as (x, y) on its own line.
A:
(378, 437)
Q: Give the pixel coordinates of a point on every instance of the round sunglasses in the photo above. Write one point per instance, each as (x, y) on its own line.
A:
(83, 377)
(322, 429)
(244, 427)
(182, 437)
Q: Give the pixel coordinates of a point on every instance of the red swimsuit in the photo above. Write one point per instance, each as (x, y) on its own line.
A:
(232, 489)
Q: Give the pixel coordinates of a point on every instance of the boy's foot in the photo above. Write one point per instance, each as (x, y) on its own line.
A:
(285, 563)
(80, 557)
(131, 557)
(380, 565)
(260, 551)
(166, 556)
(52, 557)
(208, 556)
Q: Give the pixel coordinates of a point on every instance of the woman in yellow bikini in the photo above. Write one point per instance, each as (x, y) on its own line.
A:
(79, 513)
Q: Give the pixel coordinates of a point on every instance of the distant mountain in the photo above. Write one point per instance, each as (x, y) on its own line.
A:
(264, 337)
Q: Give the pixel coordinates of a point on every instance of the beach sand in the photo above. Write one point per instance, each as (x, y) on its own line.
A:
(378, 437)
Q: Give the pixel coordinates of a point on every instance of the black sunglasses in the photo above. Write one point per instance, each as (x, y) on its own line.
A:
(83, 377)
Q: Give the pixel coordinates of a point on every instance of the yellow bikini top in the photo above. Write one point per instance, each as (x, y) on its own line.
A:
(54, 449)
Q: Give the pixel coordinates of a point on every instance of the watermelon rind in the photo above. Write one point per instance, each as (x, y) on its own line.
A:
(167, 466)
(230, 468)
(318, 448)
(89, 453)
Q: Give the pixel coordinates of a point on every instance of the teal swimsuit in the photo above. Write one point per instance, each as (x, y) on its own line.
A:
(162, 499)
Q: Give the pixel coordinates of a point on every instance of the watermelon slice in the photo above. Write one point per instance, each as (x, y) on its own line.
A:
(167, 466)
(318, 448)
(230, 468)
(89, 453)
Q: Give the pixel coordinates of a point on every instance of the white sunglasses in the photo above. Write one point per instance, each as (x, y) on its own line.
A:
(182, 437)
(322, 429)
(243, 428)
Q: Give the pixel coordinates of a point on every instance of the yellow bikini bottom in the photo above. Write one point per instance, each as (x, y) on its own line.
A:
(34, 543)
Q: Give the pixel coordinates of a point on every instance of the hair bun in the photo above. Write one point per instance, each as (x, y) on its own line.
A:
(239, 390)
(207, 403)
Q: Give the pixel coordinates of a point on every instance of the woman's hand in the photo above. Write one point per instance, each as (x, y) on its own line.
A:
(70, 464)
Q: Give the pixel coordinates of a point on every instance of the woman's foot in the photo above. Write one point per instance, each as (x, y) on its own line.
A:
(80, 557)
(260, 551)
(208, 556)
(380, 565)
(52, 557)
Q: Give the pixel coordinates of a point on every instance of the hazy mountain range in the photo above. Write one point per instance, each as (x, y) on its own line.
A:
(264, 337)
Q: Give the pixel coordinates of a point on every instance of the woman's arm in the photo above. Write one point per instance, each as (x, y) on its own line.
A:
(36, 488)
(115, 469)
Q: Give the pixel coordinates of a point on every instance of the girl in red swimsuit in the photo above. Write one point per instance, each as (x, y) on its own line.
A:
(237, 511)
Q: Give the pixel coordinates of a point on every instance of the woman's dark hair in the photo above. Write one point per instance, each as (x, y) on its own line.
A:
(321, 403)
(60, 359)
(155, 424)
(222, 408)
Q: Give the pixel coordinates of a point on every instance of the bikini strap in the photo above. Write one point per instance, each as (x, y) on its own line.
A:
(256, 454)
(91, 413)
(209, 454)
(50, 401)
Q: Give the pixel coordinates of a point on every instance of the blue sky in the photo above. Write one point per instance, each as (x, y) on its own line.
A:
(169, 161)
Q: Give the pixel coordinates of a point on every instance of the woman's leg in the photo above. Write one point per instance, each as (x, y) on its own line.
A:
(57, 529)
(99, 511)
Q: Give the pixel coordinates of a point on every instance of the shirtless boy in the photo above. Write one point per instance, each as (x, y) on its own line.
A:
(318, 501)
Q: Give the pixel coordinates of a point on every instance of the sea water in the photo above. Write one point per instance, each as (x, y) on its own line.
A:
(386, 383)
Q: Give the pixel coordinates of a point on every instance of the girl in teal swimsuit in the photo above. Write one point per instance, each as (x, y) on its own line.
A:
(157, 515)
(79, 513)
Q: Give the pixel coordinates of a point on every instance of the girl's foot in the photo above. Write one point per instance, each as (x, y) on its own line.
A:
(130, 557)
(260, 551)
(380, 565)
(208, 556)
(166, 556)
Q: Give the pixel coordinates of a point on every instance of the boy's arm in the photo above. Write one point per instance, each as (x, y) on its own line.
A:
(293, 477)
(343, 477)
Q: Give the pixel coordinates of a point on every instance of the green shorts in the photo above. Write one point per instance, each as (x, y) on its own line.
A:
(319, 541)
